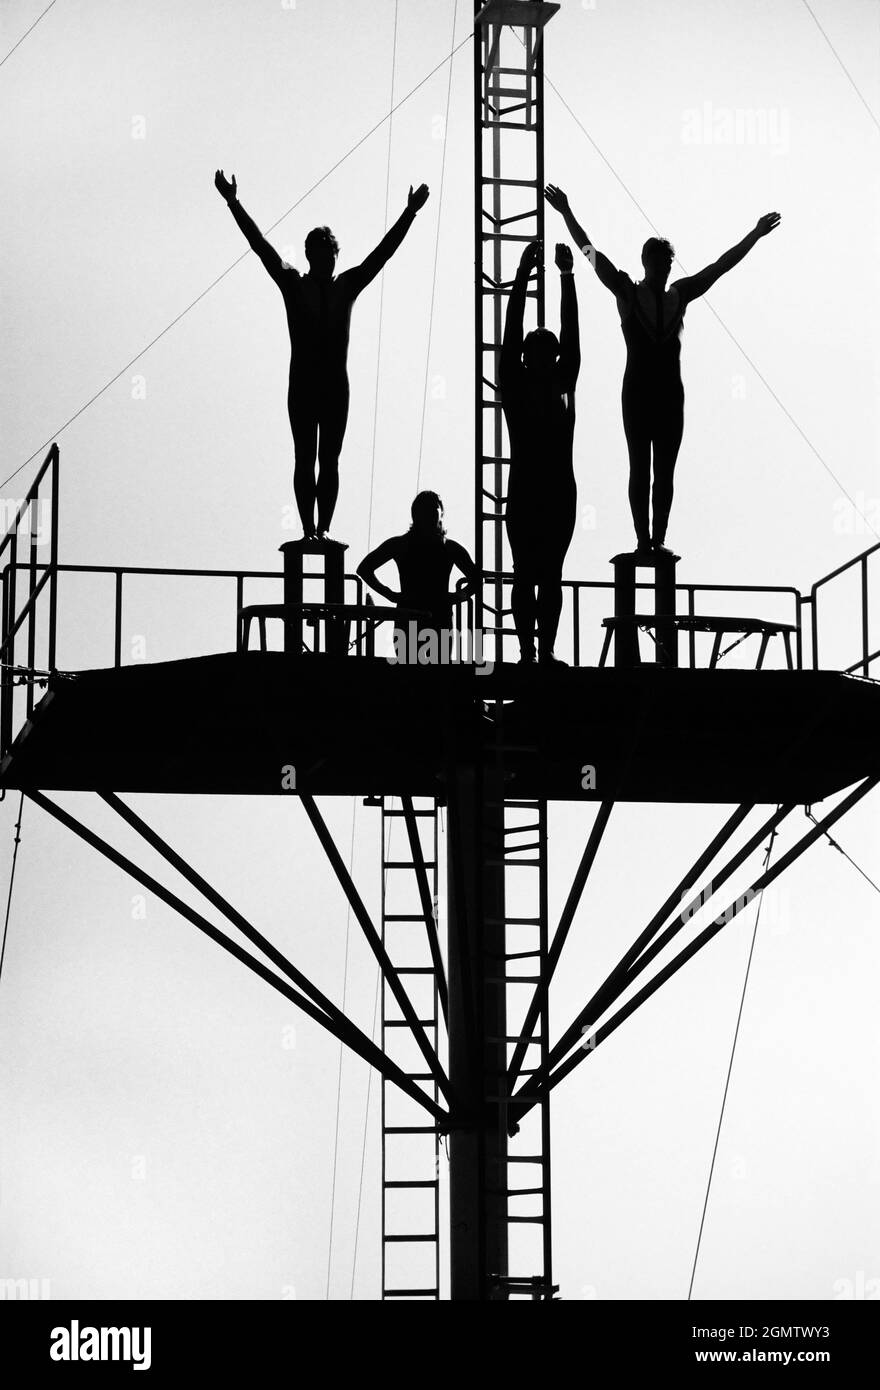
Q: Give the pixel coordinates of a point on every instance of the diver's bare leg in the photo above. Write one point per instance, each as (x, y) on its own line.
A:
(334, 418)
(304, 427)
(666, 447)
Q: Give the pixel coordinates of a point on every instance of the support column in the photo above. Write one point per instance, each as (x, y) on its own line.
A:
(477, 1021)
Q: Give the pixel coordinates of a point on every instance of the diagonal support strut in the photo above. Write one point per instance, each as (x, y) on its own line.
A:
(427, 902)
(375, 942)
(346, 1031)
(589, 1045)
(566, 919)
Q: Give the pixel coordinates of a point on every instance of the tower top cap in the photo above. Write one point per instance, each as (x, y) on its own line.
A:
(522, 14)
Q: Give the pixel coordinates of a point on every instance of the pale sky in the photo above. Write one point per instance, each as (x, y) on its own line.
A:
(158, 1135)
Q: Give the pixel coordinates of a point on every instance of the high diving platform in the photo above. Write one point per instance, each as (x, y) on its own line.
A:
(344, 709)
(232, 723)
(653, 706)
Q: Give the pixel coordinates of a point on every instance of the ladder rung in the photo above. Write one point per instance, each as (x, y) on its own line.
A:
(515, 1191)
(411, 1129)
(398, 1240)
(405, 917)
(410, 1293)
(499, 863)
(516, 1037)
(513, 955)
(407, 864)
(527, 1220)
(525, 1158)
(512, 980)
(513, 921)
(415, 970)
(511, 183)
(414, 1182)
(510, 125)
(523, 1282)
(506, 236)
(402, 1022)
(415, 813)
(506, 289)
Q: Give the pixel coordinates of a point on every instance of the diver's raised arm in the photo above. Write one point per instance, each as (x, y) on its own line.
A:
(569, 333)
(369, 268)
(512, 342)
(228, 190)
(692, 286)
(606, 271)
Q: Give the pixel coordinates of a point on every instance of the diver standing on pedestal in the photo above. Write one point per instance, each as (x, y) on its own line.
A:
(319, 306)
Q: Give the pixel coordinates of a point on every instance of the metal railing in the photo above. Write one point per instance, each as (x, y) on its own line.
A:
(573, 629)
(28, 649)
(24, 532)
(859, 562)
(51, 573)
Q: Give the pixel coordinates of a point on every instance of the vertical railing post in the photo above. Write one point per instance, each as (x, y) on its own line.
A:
(32, 513)
(5, 687)
(864, 578)
(117, 621)
(53, 556)
(9, 650)
(239, 605)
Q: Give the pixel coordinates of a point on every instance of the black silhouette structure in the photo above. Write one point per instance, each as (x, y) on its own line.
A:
(538, 378)
(652, 318)
(492, 753)
(425, 559)
(319, 306)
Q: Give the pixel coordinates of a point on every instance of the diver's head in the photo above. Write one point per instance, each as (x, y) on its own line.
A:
(540, 351)
(322, 248)
(657, 257)
(427, 515)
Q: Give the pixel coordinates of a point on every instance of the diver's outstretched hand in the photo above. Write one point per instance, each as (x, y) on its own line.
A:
(556, 198)
(531, 256)
(767, 223)
(564, 257)
(417, 199)
(224, 187)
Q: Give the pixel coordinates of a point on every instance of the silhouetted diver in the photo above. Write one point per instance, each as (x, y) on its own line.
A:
(425, 558)
(537, 380)
(652, 318)
(318, 308)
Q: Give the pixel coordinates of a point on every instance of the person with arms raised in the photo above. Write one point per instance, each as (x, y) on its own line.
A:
(319, 305)
(538, 377)
(652, 319)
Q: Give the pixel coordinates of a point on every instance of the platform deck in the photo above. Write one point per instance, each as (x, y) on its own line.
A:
(231, 723)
